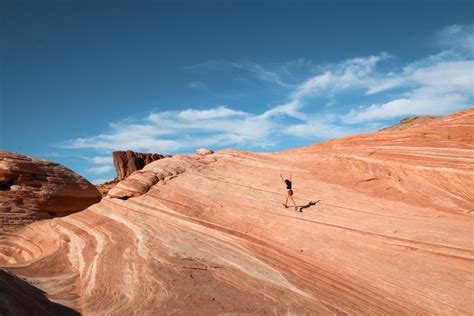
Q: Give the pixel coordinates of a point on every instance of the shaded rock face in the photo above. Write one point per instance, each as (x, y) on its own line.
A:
(126, 162)
(33, 189)
(17, 297)
(391, 233)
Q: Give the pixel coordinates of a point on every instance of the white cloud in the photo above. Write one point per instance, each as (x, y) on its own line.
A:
(170, 131)
(218, 112)
(100, 170)
(100, 181)
(320, 129)
(101, 160)
(352, 73)
(435, 85)
(207, 65)
(349, 74)
(439, 88)
(197, 85)
(261, 73)
(447, 76)
(299, 66)
(290, 108)
(116, 140)
(457, 37)
(420, 103)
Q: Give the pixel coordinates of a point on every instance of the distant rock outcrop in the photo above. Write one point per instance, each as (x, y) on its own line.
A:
(204, 151)
(409, 122)
(33, 189)
(105, 187)
(126, 162)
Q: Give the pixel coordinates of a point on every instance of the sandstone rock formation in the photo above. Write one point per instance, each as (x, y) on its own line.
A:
(126, 162)
(33, 189)
(204, 151)
(141, 181)
(105, 187)
(389, 232)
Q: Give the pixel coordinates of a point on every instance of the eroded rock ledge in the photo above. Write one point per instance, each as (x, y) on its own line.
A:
(139, 182)
(33, 189)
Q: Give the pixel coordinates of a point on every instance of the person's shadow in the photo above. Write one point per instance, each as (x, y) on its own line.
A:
(310, 203)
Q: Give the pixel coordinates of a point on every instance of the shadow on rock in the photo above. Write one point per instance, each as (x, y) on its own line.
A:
(18, 297)
(310, 203)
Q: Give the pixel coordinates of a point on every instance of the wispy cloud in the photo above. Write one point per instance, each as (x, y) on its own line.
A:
(171, 131)
(197, 85)
(100, 170)
(300, 66)
(325, 127)
(438, 88)
(433, 85)
(207, 65)
(458, 37)
(102, 164)
(349, 74)
(100, 180)
(261, 73)
(258, 71)
(101, 160)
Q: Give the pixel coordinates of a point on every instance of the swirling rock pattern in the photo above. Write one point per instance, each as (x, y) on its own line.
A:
(391, 234)
(32, 189)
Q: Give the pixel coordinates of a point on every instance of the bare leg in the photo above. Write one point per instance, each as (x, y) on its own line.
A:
(292, 200)
(286, 201)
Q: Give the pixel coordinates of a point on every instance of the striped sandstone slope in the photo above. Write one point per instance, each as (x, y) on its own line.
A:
(392, 233)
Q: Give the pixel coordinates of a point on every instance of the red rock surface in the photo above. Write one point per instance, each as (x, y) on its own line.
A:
(105, 187)
(127, 162)
(32, 189)
(391, 234)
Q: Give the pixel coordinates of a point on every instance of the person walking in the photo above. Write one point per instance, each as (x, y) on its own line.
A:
(289, 189)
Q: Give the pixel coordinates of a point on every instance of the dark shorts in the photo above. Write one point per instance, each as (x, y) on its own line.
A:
(290, 192)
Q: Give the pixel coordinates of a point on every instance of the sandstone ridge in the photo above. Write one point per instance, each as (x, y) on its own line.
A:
(389, 232)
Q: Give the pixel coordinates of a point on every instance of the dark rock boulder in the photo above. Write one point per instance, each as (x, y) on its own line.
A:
(126, 162)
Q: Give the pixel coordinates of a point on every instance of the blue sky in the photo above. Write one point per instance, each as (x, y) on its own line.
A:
(80, 79)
